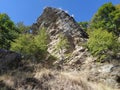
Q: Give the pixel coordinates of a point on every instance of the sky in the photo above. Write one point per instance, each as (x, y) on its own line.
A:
(28, 11)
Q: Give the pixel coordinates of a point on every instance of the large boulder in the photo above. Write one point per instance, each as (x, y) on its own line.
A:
(9, 59)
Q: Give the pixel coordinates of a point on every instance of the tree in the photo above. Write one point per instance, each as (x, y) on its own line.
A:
(107, 18)
(118, 6)
(23, 28)
(8, 31)
(101, 42)
(115, 17)
(22, 44)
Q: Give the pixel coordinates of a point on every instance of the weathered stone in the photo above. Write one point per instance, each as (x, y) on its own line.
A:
(106, 68)
(56, 22)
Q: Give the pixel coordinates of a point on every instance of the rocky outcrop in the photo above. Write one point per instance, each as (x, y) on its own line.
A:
(106, 73)
(83, 62)
(57, 22)
(9, 59)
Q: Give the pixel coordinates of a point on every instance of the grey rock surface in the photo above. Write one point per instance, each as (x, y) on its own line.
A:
(57, 22)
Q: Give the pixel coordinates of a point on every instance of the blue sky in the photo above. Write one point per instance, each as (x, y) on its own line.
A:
(29, 10)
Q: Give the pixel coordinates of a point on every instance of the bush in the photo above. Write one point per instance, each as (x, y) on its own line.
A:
(100, 42)
(30, 45)
(63, 42)
(62, 45)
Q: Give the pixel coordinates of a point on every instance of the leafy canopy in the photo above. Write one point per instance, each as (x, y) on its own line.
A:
(107, 18)
(8, 31)
(23, 28)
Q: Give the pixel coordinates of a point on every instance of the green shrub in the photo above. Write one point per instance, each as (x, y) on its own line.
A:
(32, 45)
(8, 31)
(22, 44)
(63, 42)
(100, 42)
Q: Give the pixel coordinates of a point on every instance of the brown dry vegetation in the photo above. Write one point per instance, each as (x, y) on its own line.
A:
(47, 79)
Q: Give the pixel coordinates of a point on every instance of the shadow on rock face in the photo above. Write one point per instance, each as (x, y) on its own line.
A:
(118, 79)
(9, 59)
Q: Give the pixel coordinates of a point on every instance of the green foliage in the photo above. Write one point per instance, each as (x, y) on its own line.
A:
(107, 18)
(100, 42)
(8, 31)
(28, 44)
(118, 6)
(62, 45)
(22, 44)
(63, 42)
(84, 25)
(116, 21)
(23, 28)
(41, 40)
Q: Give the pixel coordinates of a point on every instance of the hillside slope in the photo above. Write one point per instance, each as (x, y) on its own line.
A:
(74, 68)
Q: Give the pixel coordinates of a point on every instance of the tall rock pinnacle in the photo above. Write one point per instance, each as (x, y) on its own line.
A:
(57, 21)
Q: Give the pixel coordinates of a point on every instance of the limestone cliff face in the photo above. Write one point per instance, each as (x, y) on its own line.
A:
(57, 21)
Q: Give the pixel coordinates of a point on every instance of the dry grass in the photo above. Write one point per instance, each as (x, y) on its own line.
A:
(8, 80)
(46, 79)
(55, 80)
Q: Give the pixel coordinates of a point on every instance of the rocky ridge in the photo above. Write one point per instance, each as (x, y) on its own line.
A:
(57, 21)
